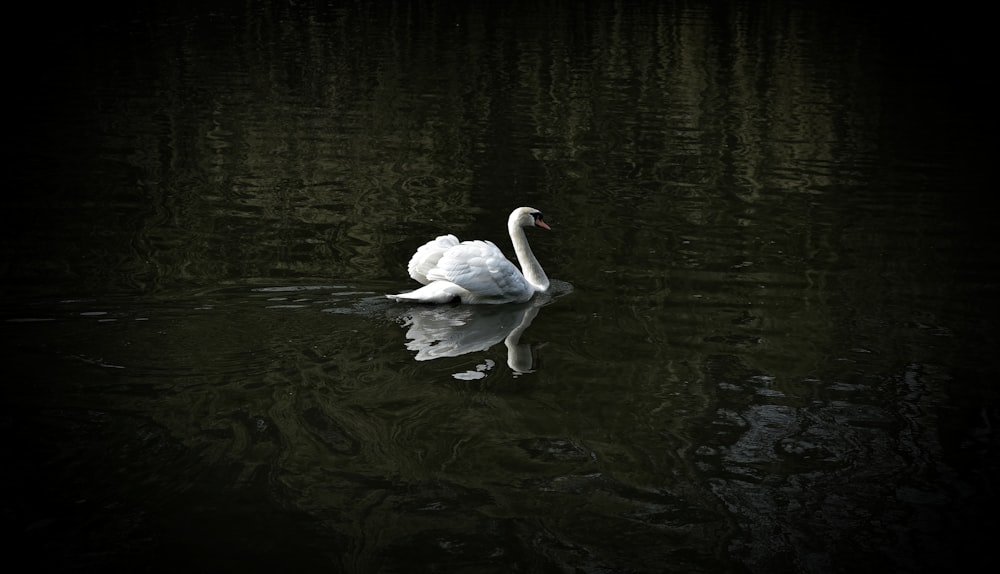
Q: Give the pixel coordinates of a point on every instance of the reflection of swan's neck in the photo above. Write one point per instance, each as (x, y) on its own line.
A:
(519, 357)
(529, 265)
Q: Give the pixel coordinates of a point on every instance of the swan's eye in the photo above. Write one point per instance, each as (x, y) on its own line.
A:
(537, 216)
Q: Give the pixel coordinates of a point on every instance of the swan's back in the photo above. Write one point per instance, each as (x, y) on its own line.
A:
(428, 255)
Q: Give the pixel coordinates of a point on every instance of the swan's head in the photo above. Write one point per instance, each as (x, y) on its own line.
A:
(526, 217)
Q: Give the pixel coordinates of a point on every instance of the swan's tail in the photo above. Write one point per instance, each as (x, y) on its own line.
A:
(434, 292)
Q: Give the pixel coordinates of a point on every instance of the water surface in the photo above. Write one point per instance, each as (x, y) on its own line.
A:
(769, 346)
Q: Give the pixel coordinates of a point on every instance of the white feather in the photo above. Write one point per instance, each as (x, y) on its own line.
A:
(427, 256)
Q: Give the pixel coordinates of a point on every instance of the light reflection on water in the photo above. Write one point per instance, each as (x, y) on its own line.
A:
(767, 350)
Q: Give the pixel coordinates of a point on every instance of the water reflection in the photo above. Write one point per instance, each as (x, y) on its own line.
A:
(438, 331)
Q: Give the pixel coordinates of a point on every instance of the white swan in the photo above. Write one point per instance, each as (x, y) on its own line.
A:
(477, 271)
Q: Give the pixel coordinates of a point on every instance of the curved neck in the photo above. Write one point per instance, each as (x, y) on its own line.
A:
(530, 268)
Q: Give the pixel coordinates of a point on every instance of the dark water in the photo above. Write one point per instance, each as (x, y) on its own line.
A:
(770, 346)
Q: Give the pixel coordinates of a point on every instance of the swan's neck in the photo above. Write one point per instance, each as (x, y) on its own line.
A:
(529, 265)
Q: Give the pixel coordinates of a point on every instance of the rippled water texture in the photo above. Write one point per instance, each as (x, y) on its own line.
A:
(769, 345)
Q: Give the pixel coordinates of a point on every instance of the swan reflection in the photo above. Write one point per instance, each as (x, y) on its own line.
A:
(434, 332)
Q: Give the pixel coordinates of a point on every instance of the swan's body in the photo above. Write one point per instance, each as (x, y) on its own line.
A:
(477, 271)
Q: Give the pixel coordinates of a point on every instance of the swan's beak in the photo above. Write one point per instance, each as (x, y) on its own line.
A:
(542, 224)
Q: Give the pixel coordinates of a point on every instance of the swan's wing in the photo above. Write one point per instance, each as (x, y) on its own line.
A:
(428, 255)
(482, 269)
